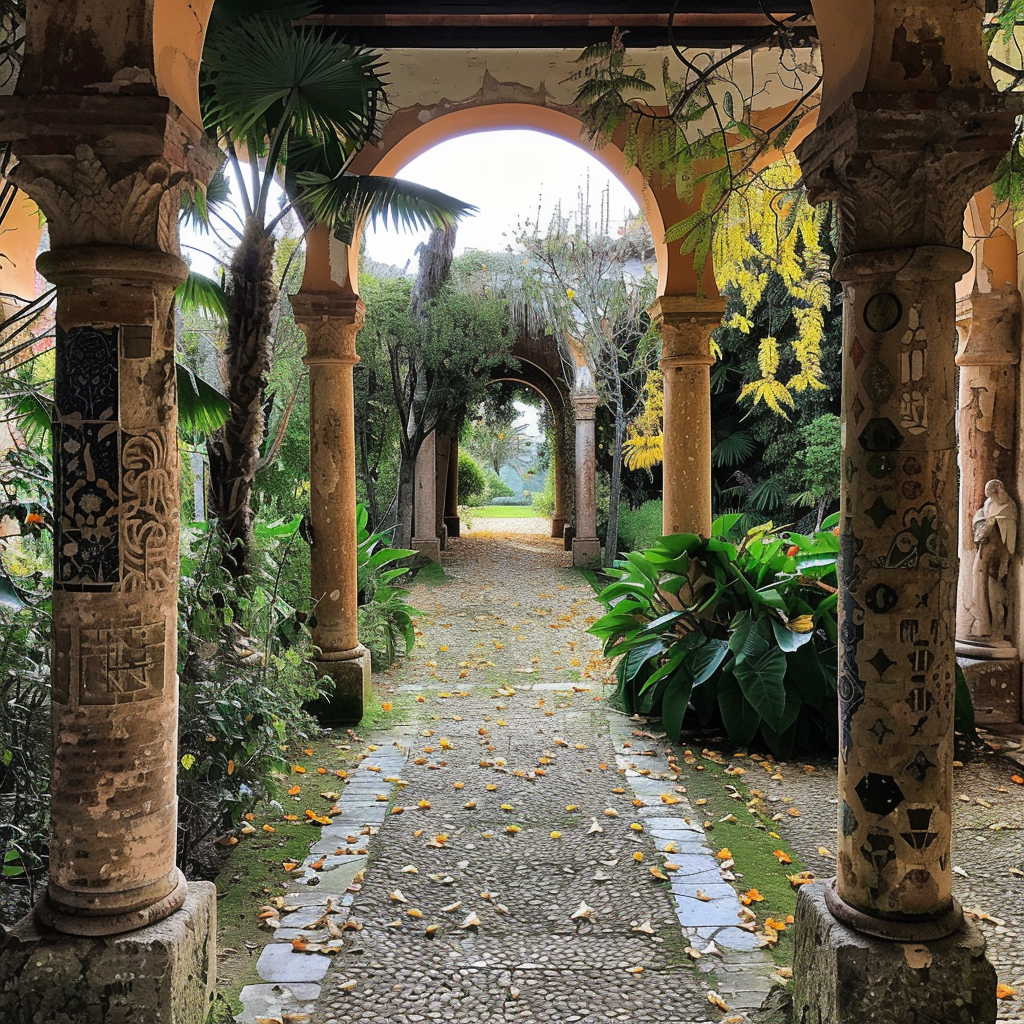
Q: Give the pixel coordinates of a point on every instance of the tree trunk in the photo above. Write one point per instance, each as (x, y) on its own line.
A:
(234, 449)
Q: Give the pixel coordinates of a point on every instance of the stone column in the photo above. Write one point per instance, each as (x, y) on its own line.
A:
(442, 457)
(686, 325)
(902, 178)
(586, 548)
(106, 172)
(558, 518)
(331, 321)
(452, 523)
(425, 539)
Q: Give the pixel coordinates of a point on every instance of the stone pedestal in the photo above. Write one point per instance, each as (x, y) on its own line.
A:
(568, 536)
(843, 976)
(558, 526)
(995, 687)
(452, 523)
(586, 553)
(161, 974)
(686, 325)
(352, 688)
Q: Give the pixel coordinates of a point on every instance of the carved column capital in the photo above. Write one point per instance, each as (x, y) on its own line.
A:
(331, 321)
(584, 405)
(106, 170)
(992, 337)
(903, 167)
(687, 322)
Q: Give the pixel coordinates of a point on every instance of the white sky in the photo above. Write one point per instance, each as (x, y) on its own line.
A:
(505, 174)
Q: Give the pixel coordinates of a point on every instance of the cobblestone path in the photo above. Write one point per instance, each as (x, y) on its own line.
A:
(509, 878)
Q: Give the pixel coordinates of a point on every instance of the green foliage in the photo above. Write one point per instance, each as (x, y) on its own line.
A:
(543, 501)
(385, 618)
(472, 483)
(640, 528)
(245, 673)
(496, 487)
(739, 634)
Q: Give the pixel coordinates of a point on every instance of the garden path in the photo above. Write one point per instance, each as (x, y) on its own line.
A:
(514, 823)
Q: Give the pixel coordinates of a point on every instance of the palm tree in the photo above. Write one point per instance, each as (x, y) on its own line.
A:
(288, 100)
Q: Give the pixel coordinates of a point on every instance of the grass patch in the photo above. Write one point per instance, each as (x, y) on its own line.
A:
(501, 512)
(432, 574)
(752, 839)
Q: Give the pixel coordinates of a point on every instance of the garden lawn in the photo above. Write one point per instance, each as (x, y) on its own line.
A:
(502, 512)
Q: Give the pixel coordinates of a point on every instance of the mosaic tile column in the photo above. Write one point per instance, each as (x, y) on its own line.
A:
(114, 696)
(902, 178)
(686, 326)
(586, 548)
(331, 322)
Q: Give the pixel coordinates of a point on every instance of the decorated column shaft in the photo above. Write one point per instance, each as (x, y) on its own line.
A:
(452, 523)
(424, 538)
(902, 177)
(686, 326)
(112, 215)
(586, 548)
(988, 358)
(331, 321)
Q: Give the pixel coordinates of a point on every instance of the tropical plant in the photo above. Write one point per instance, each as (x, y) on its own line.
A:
(385, 617)
(291, 99)
(734, 633)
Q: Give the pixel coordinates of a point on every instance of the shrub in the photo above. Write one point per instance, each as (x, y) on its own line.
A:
(739, 634)
(245, 672)
(472, 484)
(496, 487)
(543, 501)
(510, 499)
(640, 528)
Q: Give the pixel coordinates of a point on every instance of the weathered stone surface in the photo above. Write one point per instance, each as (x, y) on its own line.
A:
(352, 688)
(162, 974)
(845, 977)
(995, 689)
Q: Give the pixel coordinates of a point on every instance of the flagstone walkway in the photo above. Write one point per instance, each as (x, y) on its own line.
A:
(533, 861)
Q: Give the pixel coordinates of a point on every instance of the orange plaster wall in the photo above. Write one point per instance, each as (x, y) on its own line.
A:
(19, 243)
(179, 31)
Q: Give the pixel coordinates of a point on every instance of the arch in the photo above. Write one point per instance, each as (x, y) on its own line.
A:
(406, 137)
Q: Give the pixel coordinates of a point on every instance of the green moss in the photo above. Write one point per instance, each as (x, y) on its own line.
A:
(752, 847)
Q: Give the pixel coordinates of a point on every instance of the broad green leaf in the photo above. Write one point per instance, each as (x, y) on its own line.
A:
(761, 674)
(789, 640)
(741, 720)
(674, 703)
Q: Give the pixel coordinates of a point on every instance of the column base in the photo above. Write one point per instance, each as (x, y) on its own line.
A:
(995, 686)
(586, 552)
(558, 526)
(842, 976)
(568, 536)
(429, 547)
(442, 537)
(453, 524)
(162, 974)
(352, 689)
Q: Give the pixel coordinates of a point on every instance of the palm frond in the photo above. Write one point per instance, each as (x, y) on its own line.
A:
(202, 409)
(199, 292)
(733, 449)
(344, 201)
(33, 413)
(266, 73)
(196, 200)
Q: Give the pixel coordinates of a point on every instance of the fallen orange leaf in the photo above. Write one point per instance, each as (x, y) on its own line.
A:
(784, 858)
(1004, 991)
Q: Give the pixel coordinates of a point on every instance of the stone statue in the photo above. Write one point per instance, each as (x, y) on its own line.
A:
(995, 537)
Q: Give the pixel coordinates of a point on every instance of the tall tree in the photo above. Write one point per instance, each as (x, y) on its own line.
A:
(442, 339)
(289, 101)
(593, 289)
